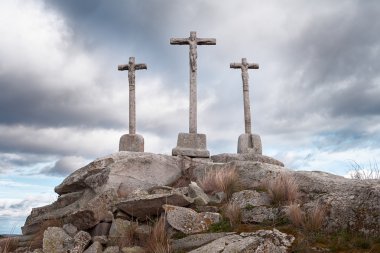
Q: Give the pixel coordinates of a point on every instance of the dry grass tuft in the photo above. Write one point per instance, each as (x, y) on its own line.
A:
(220, 180)
(232, 212)
(295, 215)
(372, 171)
(283, 189)
(159, 241)
(8, 244)
(314, 218)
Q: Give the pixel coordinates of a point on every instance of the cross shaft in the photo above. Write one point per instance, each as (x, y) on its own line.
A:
(132, 67)
(193, 41)
(244, 66)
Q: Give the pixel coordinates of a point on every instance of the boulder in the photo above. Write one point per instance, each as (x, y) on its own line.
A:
(70, 229)
(135, 249)
(255, 206)
(112, 249)
(96, 247)
(197, 193)
(57, 240)
(189, 221)
(119, 229)
(81, 240)
(101, 229)
(88, 194)
(194, 241)
(261, 241)
(147, 205)
(251, 157)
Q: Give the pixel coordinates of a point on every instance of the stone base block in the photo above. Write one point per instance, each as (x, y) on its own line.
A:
(131, 142)
(249, 143)
(192, 145)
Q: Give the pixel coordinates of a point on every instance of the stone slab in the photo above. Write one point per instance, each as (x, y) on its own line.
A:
(131, 142)
(192, 145)
(249, 143)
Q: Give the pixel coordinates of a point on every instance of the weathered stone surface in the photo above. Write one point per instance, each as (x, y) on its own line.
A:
(254, 206)
(194, 241)
(57, 240)
(131, 142)
(112, 249)
(102, 239)
(250, 157)
(135, 249)
(249, 143)
(118, 230)
(262, 241)
(100, 229)
(81, 240)
(189, 221)
(251, 198)
(192, 145)
(92, 191)
(70, 229)
(148, 205)
(96, 247)
(196, 192)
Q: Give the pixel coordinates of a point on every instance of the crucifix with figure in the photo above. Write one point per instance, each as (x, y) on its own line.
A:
(132, 141)
(192, 144)
(248, 142)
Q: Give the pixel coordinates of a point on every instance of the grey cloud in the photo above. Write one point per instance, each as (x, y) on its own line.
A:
(64, 166)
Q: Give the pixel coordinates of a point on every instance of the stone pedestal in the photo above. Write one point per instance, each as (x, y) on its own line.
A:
(192, 145)
(249, 143)
(131, 142)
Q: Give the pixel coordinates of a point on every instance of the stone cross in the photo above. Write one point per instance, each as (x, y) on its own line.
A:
(193, 41)
(244, 66)
(131, 67)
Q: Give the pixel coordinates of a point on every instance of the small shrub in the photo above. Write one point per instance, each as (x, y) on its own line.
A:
(221, 180)
(232, 212)
(295, 215)
(159, 241)
(8, 244)
(283, 189)
(372, 171)
(314, 218)
(222, 226)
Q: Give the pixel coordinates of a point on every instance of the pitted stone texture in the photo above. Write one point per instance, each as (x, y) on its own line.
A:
(194, 241)
(262, 241)
(81, 240)
(189, 221)
(249, 157)
(147, 205)
(112, 249)
(96, 247)
(255, 206)
(249, 143)
(57, 240)
(192, 145)
(70, 229)
(196, 192)
(131, 142)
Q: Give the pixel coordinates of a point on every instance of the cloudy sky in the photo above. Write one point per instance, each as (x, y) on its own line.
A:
(314, 100)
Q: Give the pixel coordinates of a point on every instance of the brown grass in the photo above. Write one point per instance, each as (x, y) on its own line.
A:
(314, 218)
(8, 244)
(295, 215)
(159, 241)
(283, 189)
(232, 212)
(220, 180)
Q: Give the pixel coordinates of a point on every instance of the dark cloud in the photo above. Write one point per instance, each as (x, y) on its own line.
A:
(64, 166)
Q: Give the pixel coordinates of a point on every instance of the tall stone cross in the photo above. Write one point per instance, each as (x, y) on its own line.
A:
(132, 67)
(193, 41)
(244, 66)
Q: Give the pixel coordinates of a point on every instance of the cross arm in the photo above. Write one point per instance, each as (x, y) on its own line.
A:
(235, 66)
(179, 41)
(123, 67)
(253, 66)
(141, 66)
(208, 41)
